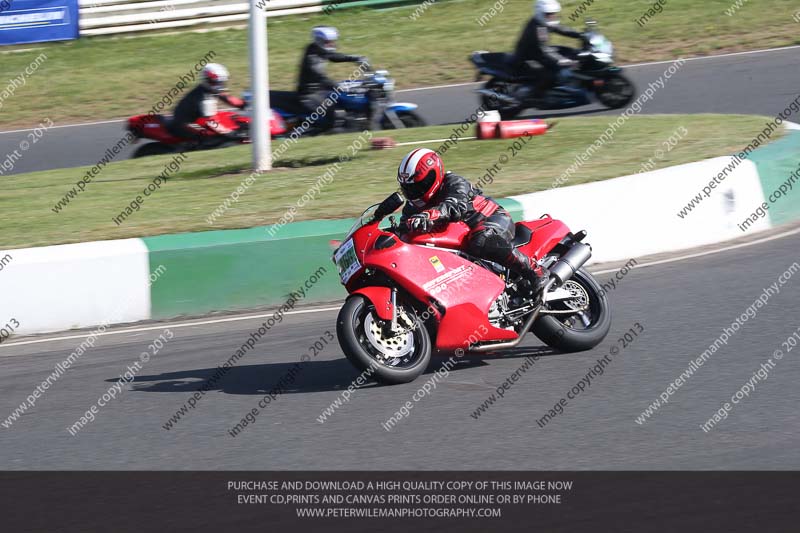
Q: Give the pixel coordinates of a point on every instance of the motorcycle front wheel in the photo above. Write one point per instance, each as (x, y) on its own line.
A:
(409, 119)
(399, 356)
(616, 92)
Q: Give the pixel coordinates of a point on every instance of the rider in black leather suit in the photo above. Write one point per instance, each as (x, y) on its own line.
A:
(314, 85)
(201, 102)
(436, 198)
(533, 49)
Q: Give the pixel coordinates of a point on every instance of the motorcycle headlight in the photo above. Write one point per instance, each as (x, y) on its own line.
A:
(388, 85)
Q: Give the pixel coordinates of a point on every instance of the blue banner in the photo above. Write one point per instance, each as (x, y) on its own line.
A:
(33, 21)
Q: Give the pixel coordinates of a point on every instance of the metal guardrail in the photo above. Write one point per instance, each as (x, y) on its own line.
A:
(107, 17)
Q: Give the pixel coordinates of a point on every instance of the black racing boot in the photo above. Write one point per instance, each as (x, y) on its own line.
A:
(538, 278)
(536, 275)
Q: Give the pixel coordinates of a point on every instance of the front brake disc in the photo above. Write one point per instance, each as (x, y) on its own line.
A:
(389, 346)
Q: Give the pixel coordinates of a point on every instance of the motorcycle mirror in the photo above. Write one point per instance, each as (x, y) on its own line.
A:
(389, 205)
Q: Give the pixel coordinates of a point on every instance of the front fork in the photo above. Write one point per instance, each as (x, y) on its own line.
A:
(393, 118)
(394, 310)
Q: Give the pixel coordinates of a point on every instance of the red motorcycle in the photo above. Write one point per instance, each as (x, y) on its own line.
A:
(154, 127)
(413, 293)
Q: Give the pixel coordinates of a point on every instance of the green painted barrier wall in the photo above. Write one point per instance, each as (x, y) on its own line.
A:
(231, 270)
(242, 269)
(513, 207)
(776, 162)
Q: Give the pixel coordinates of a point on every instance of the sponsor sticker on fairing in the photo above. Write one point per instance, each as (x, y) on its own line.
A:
(437, 263)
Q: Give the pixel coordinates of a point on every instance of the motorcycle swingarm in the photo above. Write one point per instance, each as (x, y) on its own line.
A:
(556, 295)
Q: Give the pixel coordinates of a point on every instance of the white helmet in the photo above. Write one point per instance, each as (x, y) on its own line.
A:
(326, 37)
(546, 11)
(214, 77)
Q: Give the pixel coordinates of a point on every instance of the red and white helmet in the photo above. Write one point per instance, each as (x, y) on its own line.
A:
(215, 77)
(420, 175)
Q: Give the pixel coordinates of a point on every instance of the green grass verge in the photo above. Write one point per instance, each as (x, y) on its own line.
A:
(105, 77)
(207, 178)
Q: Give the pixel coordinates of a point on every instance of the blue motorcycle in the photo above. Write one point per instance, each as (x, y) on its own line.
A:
(351, 112)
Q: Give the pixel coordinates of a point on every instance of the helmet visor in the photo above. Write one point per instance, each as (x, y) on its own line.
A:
(215, 82)
(416, 190)
(552, 18)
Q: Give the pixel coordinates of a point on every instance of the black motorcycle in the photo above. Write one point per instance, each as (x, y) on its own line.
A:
(594, 77)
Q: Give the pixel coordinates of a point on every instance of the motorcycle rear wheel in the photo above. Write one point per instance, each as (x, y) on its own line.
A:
(562, 333)
(507, 111)
(360, 335)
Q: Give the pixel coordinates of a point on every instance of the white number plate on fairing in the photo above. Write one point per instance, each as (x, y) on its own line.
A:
(346, 261)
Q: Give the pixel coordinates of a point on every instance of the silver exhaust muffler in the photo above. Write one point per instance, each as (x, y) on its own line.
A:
(571, 262)
(561, 271)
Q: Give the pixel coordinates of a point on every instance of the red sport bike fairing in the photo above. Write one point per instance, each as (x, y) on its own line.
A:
(154, 128)
(411, 295)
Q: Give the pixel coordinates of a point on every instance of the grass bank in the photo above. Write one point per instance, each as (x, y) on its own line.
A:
(205, 179)
(109, 77)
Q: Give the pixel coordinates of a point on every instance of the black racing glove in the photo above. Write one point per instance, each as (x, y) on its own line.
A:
(425, 221)
(421, 223)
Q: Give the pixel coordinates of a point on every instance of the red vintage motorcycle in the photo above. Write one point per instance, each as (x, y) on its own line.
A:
(154, 128)
(413, 293)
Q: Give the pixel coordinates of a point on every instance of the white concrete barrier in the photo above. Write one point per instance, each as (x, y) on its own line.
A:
(55, 288)
(637, 215)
